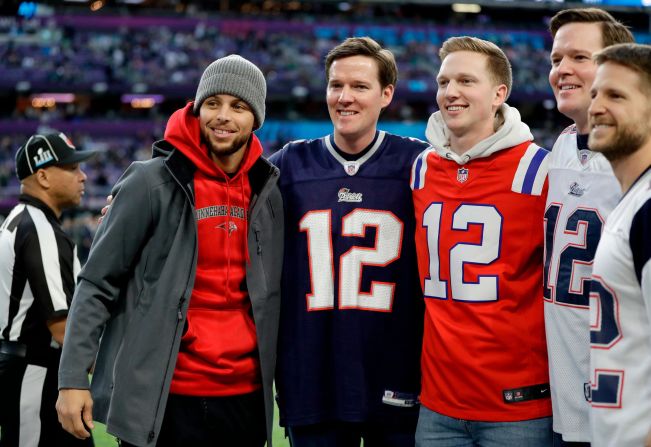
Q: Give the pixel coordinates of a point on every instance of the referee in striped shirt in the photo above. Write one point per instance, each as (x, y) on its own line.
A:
(38, 271)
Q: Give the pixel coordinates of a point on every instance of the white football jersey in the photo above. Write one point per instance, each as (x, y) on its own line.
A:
(620, 332)
(582, 192)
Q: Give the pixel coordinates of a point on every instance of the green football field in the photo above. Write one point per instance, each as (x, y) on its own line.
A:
(103, 439)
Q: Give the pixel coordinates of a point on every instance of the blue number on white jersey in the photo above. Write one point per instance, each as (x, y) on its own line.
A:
(605, 333)
(572, 284)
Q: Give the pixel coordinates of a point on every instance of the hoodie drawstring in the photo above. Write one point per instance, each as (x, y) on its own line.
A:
(228, 240)
(246, 231)
(246, 222)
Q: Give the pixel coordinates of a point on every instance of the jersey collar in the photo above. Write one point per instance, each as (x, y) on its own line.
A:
(33, 201)
(351, 167)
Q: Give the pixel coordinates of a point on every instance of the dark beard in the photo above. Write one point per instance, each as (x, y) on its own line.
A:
(239, 143)
(625, 142)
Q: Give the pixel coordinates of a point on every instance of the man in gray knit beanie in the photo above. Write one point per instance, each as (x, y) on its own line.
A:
(236, 76)
(188, 357)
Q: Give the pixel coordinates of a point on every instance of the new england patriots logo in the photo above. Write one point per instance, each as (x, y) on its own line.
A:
(231, 227)
(576, 190)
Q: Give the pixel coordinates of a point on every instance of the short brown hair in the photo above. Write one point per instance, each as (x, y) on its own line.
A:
(498, 64)
(637, 57)
(612, 31)
(365, 46)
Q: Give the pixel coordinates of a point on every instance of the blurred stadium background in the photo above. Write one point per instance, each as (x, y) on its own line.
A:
(108, 73)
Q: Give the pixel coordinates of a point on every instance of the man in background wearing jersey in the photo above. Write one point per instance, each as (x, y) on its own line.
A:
(620, 299)
(38, 272)
(352, 310)
(479, 196)
(582, 192)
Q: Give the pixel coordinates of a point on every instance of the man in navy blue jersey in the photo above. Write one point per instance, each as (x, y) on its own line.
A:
(352, 309)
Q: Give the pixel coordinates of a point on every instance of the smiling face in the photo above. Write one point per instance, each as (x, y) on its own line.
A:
(573, 70)
(226, 124)
(620, 115)
(355, 99)
(468, 97)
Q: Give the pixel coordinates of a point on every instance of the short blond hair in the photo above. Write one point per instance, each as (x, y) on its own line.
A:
(498, 64)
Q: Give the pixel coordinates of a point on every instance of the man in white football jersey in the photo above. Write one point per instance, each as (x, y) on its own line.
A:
(582, 192)
(620, 297)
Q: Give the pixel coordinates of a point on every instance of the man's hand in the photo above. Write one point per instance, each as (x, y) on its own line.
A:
(647, 441)
(109, 199)
(73, 406)
(57, 328)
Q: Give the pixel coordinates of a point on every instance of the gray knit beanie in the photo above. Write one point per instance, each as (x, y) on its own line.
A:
(236, 76)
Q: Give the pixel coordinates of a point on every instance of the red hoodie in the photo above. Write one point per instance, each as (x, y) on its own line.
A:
(218, 354)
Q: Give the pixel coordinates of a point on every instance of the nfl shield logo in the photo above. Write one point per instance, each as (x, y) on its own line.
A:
(351, 168)
(584, 156)
(508, 395)
(67, 140)
(462, 175)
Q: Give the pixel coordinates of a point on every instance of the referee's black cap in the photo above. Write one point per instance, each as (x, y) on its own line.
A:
(41, 151)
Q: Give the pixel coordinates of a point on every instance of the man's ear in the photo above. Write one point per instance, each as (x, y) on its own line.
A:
(500, 95)
(42, 177)
(387, 95)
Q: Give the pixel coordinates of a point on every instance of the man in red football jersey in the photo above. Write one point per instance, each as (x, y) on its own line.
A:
(479, 197)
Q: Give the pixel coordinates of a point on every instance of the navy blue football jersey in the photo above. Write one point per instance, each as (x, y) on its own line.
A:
(352, 308)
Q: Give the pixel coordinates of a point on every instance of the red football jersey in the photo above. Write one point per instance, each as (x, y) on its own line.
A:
(479, 239)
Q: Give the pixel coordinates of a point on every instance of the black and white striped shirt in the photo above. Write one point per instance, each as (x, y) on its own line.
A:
(38, 272)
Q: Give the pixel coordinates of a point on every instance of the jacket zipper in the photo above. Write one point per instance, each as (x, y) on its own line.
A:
(265, 188)
(257, 241)
(179, 315)
(254, 203)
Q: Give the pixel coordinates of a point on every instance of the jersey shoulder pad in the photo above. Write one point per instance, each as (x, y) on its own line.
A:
(532, 171)
(571, 129)
(419, 169)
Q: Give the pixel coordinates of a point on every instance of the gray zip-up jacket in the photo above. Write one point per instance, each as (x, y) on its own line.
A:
(130, 305)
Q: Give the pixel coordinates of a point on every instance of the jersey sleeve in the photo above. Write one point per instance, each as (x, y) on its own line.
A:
(41, 260)
(419, 169)
(640, 241)
(277, 157)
